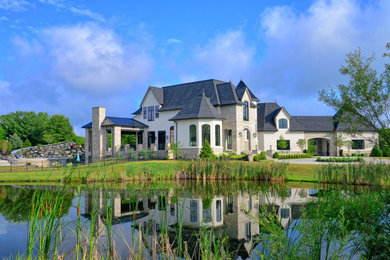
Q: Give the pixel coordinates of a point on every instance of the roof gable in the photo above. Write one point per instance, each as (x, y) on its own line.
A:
(200, 108)
(241, 87)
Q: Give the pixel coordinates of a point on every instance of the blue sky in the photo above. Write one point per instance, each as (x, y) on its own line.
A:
(64, 57)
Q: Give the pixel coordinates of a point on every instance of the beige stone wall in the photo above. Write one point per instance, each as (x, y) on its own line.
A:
(98, 115)
(370, 140)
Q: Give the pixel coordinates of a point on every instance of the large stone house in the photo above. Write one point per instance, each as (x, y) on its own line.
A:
(230, 117)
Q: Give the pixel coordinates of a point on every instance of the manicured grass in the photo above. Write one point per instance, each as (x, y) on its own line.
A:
(144, 170)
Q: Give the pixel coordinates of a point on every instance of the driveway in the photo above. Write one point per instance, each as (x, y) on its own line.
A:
(313, 161)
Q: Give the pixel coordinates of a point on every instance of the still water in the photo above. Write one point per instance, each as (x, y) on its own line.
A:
(140, 211)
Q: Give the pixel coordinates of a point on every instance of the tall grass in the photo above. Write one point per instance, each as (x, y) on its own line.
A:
(223, 170)
(357, 174)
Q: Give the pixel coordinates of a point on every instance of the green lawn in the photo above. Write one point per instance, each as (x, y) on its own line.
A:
(119, 172)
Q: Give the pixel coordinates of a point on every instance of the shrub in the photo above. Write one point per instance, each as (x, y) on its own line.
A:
(386, 152)
(276, 155)
(206, 152)
(224, 156)
(305, 151)
(79, 140)
(167, 157)
(336, 159)
(261, 156)
(341, 152)
(26, 143)
(15, 141)
(293, 156)
(238, 157)
(4, 146)
(376, 152)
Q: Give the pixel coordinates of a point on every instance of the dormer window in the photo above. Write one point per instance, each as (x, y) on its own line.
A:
(283, 123)
(151, 113)
(246, 111)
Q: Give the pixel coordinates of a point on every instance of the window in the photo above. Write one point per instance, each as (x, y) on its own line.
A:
(156, 108)
(140, 137)
(229, 139)
(151, 113)
(248, 231)
(151, 138)
(206, 214)
(219, 210)
(205, 133)
(145, 112)
(283, 144)
(358, 144)
(192, 135)
(283, 123)
(230, 205)
(193, 211)
(246, 111)
(217, 135)
(172, 133)
(285, 213)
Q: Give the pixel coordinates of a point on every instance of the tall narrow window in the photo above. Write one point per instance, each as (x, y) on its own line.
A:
(283, 123)
(145, 109)
(156, 109)
(192, 135)
(229, 139)
(172, 134)
(140, 137)
(193, 211)
(151, 113)
(205, 133)
(218, 206)
(217, 135)
(246, 111)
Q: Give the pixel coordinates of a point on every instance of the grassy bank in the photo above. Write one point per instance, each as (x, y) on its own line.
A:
(216, 170)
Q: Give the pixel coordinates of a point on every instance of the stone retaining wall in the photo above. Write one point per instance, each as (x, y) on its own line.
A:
(60, 150)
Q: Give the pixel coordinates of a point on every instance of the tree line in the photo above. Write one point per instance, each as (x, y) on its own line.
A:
(24, 129)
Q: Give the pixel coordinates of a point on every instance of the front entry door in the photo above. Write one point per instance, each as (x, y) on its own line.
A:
(161, 140)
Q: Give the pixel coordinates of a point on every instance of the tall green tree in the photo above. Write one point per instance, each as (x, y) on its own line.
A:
(58, 129)
(365, 100)
(3, 134)
(15, 141)
(27, 125)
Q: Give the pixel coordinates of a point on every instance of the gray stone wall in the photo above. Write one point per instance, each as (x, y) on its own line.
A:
(60, 150)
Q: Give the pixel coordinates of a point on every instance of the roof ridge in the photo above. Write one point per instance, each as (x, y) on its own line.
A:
(192, 82)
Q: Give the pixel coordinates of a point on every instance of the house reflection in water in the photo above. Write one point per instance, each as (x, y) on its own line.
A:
(225, 215)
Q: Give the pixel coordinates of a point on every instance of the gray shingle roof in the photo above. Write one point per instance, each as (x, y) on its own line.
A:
(265, 116)
(159, 94)
(200, 107)
(266, 113)
(139, 111)
(241, 90)
(120, 121)
(312, 123)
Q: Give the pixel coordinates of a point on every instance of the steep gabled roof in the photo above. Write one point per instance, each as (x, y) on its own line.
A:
(241, 87)
(139, 111)
(227, 94)
(199, 108)
(265, 116)
(159, 94)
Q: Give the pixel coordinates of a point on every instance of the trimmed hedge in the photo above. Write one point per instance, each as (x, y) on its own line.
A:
(293, 156)
(343, 159)
(261, 156)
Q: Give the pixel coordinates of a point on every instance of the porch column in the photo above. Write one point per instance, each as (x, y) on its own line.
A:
(139, 145)
(115, 140)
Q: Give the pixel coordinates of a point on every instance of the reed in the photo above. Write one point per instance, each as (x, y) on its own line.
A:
(356, 174)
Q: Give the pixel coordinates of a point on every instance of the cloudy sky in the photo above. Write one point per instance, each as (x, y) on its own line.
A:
(63, 57)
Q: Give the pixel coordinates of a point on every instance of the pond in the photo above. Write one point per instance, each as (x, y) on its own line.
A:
(186, 219)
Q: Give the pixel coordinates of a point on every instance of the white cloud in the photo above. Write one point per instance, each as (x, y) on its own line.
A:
(4, 87)
(173, 41)
(226, 55)
(304, 50)
(75, 10)
(93, 58)
(4, 18)
(27, 48)
(14, 5)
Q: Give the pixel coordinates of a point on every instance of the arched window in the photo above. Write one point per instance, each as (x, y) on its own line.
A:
(192, 135)
(246, 111)
(205, 133)
(283, 123)
(217, 135)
